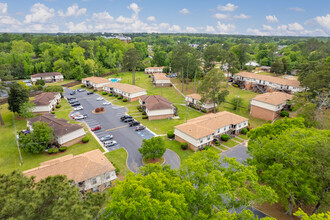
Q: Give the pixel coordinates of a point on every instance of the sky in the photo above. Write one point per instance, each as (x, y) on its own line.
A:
(247, 17)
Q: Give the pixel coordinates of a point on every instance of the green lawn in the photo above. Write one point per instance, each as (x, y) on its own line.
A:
(64, 110)
(176, 147)
(65, 81)
(9, 157)
(244, 136)
(230, 143)
(222, 147)
(215, 149)
(237, 139)
(119, 158)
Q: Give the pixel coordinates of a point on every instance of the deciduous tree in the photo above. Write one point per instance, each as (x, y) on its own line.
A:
(26, 110)
(17, 96)
(153, 148)
(131, 59)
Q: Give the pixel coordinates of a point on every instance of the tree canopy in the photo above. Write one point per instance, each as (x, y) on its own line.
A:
(152, 148)
(17, 96)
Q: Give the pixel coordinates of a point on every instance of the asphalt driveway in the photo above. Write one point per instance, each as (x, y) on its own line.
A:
(110, 123)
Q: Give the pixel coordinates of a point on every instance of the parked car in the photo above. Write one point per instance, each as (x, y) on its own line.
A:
(99, 99)
(106, 138)
(125, 117)
(134, 123)
(230, 80)
(96, 128)
(78, 117)
(75, 114)
(110, 143)
(73, 101)
(75, 104)
(81, 90)
(128, 120)
(85, 115)
(106, 103)
(78, 108)
(90, 93)
(72, 92)
(139, 128)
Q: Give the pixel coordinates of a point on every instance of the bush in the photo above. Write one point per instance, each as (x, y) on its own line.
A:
(39, 87)
(95, 90)
(40, 82)
(184, 146)
(244, 131)
(140, 109)
(119, 97)
(217, 143)
(102, 109)
(249, 128)
(124, 100)
(144, 113)
(110, 94)
(83, 86)
(225, 137)
(206, 147)
(85, 139)
(284, 114)
(53, 112)
(50, 151)
(145, 117)
(291, 108)
(55, 150)
(104, 93)
(170, 134)
(116, 95)
(204, 111)
(97, 110)
(235, 85)
(58, 106)
(63, 148)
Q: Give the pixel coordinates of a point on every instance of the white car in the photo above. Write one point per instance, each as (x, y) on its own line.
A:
(106, 103)
(75, 114)
(99, 99)
(78, 108)
(78, 117)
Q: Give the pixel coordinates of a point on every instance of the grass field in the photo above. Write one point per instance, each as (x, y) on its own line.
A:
(176, 147)
(230, 143)
(237, 139)
(119, 158)
(65, 81)
(243, 136)
(215, 149)
(9, 157)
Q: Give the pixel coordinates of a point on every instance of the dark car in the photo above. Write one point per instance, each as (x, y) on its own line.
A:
(230, 80)
(106, 138)
(75, 104)
(96, 128)
(73, 101)
(90, 93)
(128, 120)
(139, 128)
(85, 115)
(125, 117)
(71, 98)
(72, 92)
(134, 123)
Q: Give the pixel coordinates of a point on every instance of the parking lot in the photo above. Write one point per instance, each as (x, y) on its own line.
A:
(111, 124)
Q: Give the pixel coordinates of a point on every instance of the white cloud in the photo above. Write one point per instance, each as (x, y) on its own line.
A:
(134, 7)
(191, 29)
(78, 28)
(175, 28)
(73, 11)
(226, 28)
(323, 21)
(267, 27)
(184, 11)
(102, 16)
(228, 16)
(221, 16)
(210, 29)
(255, 31)
(151, 18)
(125, 20)
(228, 7)
(241, 16)
(271, 18)
(295, 27)
(297, 9)
(7, 20)
(3, 8)
(39, 14)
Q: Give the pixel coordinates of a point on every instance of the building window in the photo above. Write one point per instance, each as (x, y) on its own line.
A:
(95, 189)
(218, 131)
(107, 184)
(208, 137)
(94, 180)
(224, 129)
(107, 176)
(201, 140)
(239, 126)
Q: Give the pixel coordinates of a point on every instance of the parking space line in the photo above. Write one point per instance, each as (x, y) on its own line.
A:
(111, 129)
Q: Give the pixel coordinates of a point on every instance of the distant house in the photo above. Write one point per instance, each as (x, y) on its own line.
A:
(95, 82)
(264, 69)
(160, 80)
(46, 101)
(157, 107)
(269, 105)
(262, 83)
(47, 77)
(152, 70)
(90, 171)
(130, 92)
(64, 133)
(252, 63)
(193, 100)
(200, 132)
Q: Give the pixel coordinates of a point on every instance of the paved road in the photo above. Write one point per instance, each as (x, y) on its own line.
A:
(110, 122)
(172, 158)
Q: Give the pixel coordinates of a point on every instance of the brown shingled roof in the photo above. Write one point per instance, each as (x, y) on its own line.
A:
(60, 126)
(44, 98)
(160, 76)
(96, 80)
(207, 124)
(125, 87)
(272, 79)
(156, 102)
(47, 74)
(274, 98)
(78, 168)
(155, 67)
(195, 96)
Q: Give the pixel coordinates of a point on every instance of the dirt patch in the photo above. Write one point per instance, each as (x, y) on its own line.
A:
(98, 112)
(156, 160)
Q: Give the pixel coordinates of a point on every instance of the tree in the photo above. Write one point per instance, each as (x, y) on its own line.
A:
(51, 198)
(54, 88)
(241, 53)
(288, 158)
(40, 82)
(303, 216)
(277, 67)
(211, 54)
(17, 96)
(237, 102)
(131, 59)
(210, 88)
(153, 148)
(159, 58)
(26, 110)
(37, 140)
(319, 79)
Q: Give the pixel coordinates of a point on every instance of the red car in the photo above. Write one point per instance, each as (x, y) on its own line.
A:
(96, 128)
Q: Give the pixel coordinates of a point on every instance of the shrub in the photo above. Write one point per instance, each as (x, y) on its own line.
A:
(144, 113)
(116, 95)
(53, 112)
(124, 100)
(83, 86)
(39, 87)
(225, 137)
(110, 94)
(269, 121)
(119, 97)
(204, 111)
(170, 134)
(58, 106)
(104, 93)
(217, 143)
(244, 131)
(50, 151)
(40, 82)
(206, 147)
(85, 139)
(249, 128)
(63, 148)
(97, 110)
(95, 90)
(55, 151)
(102, 109)
(140, 109)
(235, 85)
(284, 113)
(184, 146)
(144, 117)
(291, 108)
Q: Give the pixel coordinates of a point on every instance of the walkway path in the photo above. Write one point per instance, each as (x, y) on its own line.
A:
(172, 158)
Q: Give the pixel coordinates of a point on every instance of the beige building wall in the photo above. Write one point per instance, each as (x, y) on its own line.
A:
(262, 113)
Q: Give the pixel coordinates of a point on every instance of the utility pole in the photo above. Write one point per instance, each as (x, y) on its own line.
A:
(195, 80)
(182, 78)
(16, 139)
(237, 101)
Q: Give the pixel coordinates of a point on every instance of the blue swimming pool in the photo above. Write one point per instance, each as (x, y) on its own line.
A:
(115, 80)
